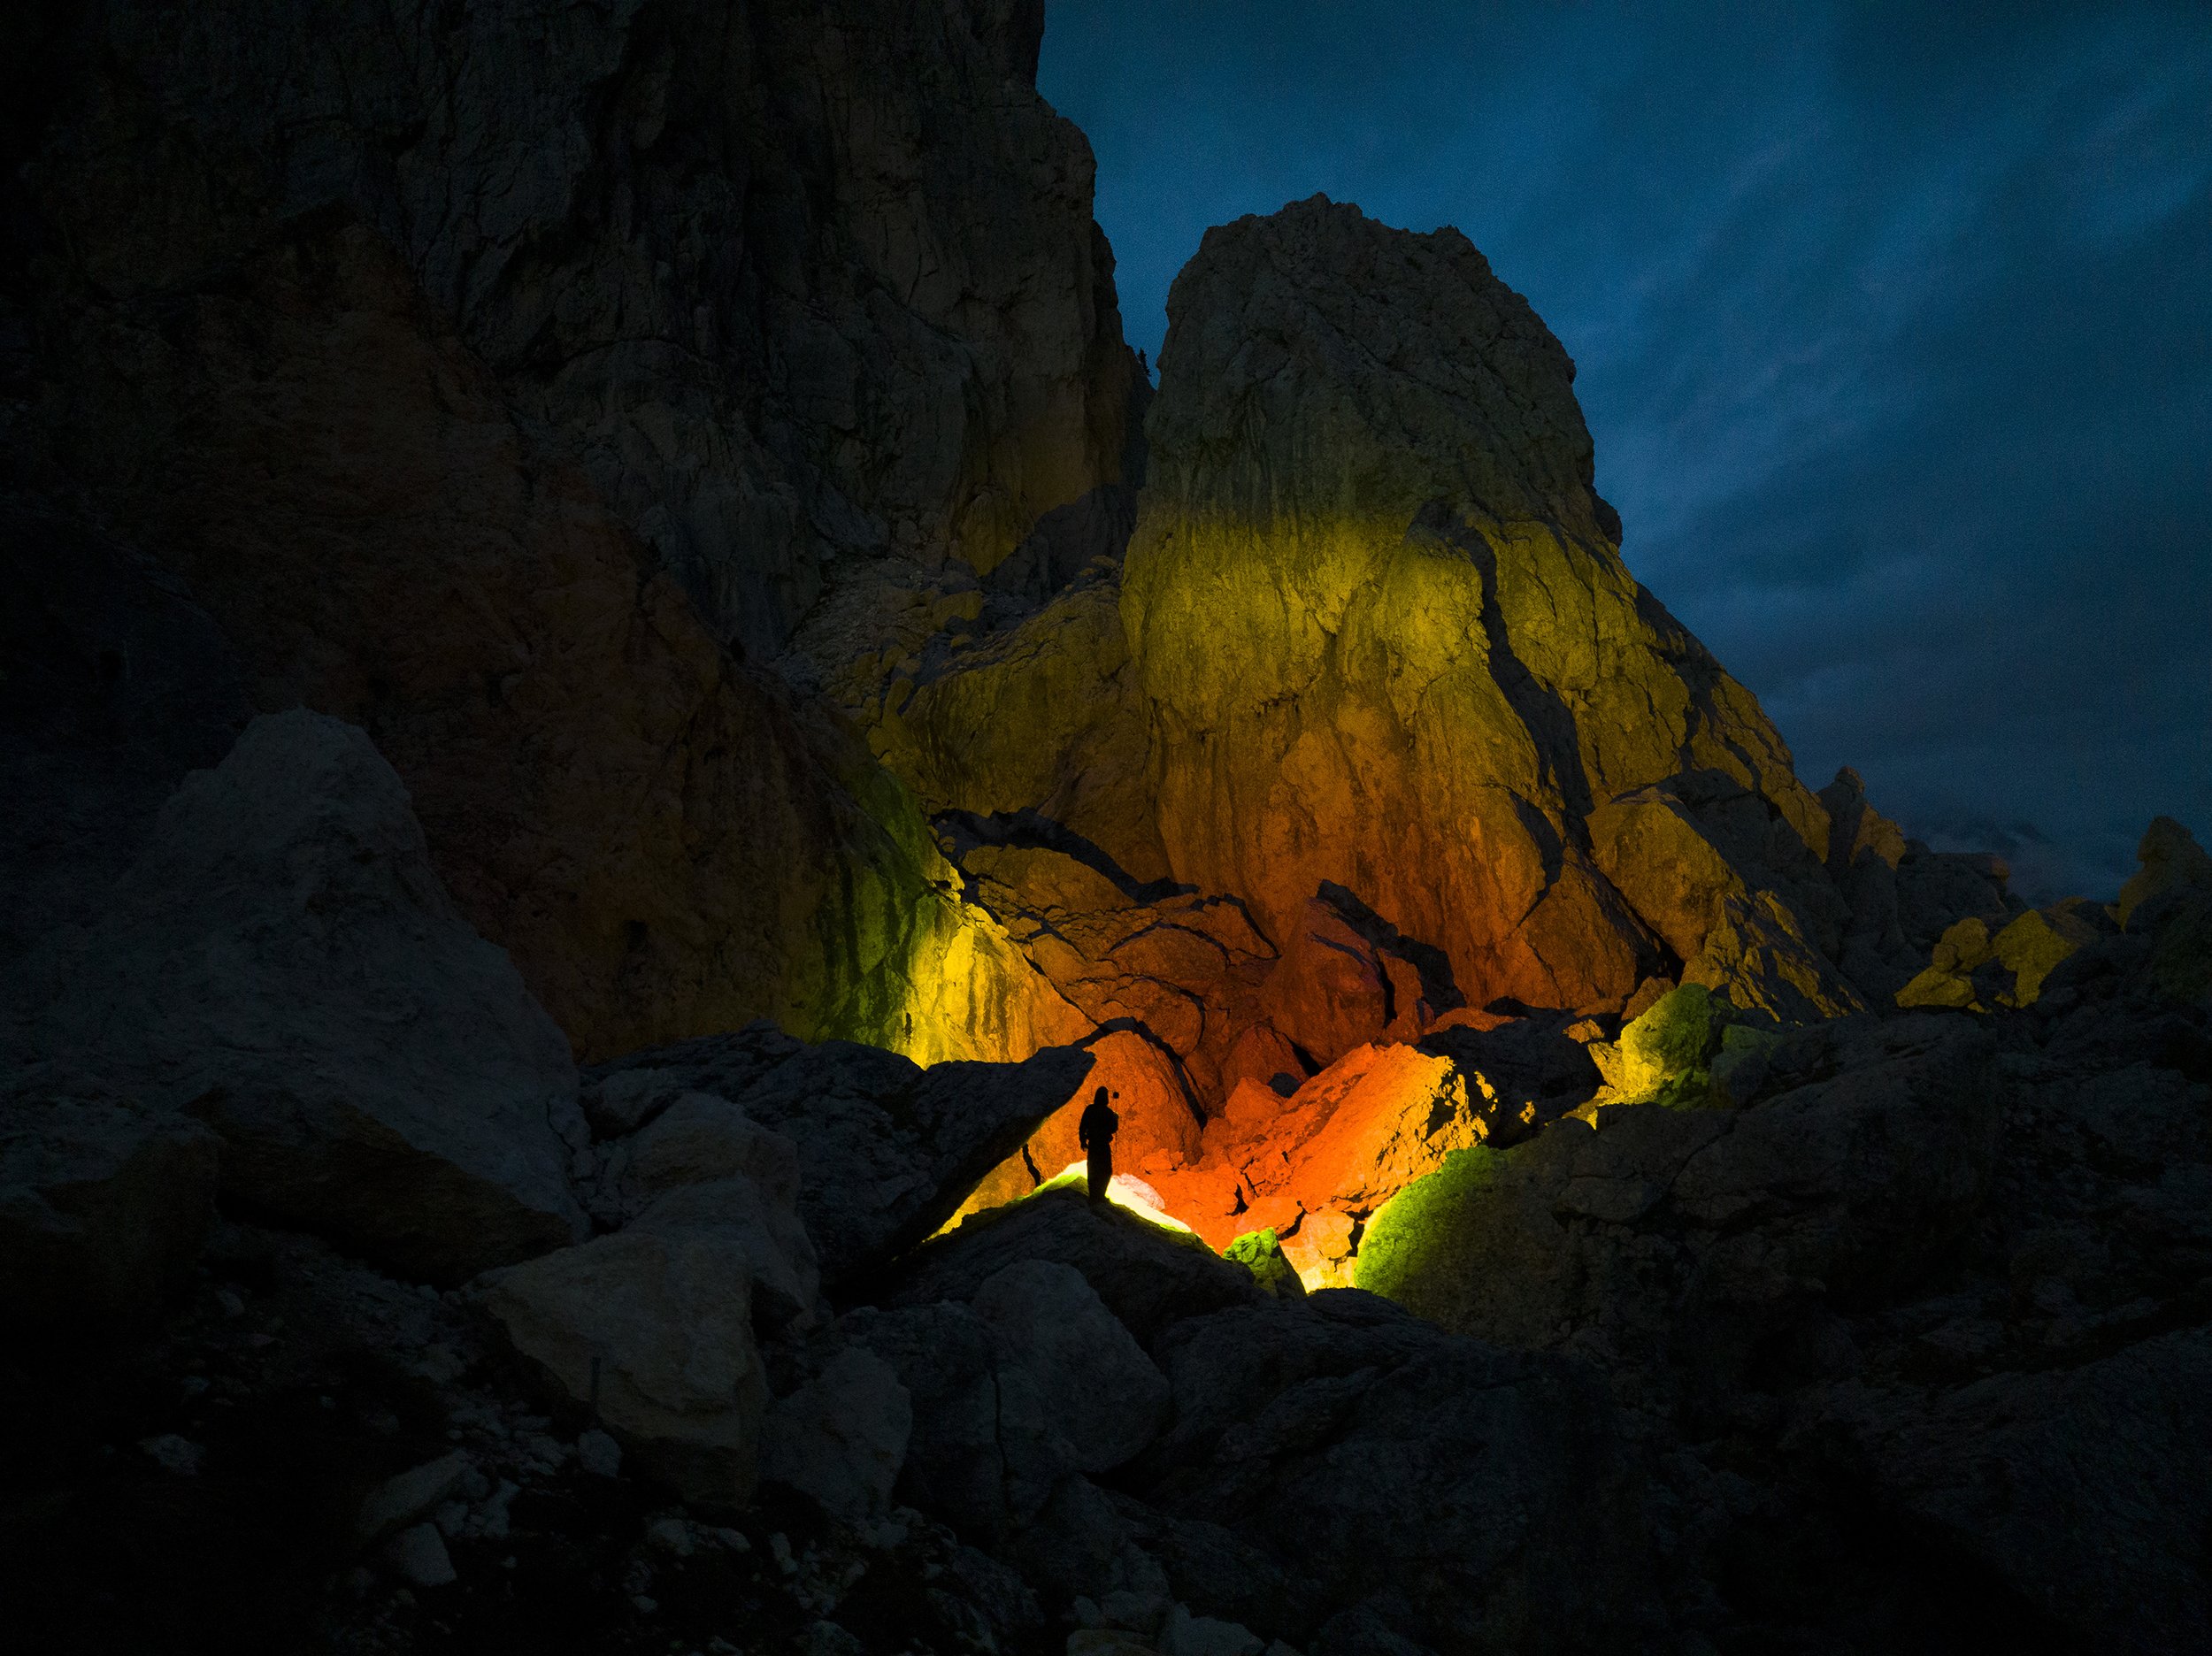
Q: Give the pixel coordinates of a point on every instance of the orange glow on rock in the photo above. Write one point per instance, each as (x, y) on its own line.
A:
(1312, 1167)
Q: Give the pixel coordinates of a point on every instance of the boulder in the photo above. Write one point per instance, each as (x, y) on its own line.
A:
(786, 1277)
(984, 1452)
(1366, 1127)
(2016, 1470)
(1107, 1399)
(700, 1137)
(283, 962)
(407, 1496)
(653, 1334)
(841, 1437)
(1976, 968)
(1521, 1072)
(1398, 1447)
(887, 1151)
(104, 1206)
(703, 1166)
(1696, 1231)
(1147, 1276)
(1260, 1253)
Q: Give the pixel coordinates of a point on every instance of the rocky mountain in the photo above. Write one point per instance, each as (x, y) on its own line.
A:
(620, 700)
(514, 385)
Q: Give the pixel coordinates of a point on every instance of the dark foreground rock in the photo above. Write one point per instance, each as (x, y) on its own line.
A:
(887, 1149)
(103, 1207)
(1924, 1314)
(283, 963)
(1148, 1277)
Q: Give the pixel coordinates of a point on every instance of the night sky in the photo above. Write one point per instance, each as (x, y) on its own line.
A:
(1893, 330)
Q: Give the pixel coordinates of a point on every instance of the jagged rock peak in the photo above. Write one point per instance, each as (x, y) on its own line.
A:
(1319, 362)
(1387, 641)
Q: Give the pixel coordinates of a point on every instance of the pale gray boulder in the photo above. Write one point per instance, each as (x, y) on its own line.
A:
(406, 1497)
(841, 1437)
(787, 1281)
(702, 1165)
(1107, 1398)
(654, 1334)
(284, 964)
(984, 1452)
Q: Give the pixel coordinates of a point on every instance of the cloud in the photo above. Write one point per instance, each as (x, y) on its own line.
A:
(1891, 324)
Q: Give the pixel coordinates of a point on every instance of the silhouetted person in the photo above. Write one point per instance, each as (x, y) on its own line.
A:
(1096, 1133)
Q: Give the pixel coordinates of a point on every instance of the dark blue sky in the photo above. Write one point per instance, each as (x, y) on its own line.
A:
(1894, 329)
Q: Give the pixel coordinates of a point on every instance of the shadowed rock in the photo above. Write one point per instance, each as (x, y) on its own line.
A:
(531, 472)
(1148, 1277)
(104, 1206)
(283, 962)
(887, 1151)
(653, 1334)
(1398, 1448)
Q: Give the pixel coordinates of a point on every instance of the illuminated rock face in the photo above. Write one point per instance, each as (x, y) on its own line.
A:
(1377, 672)
(1385, 638)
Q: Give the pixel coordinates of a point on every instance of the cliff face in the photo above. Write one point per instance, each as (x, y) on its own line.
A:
(690, 437)
(1373, 632)
(493, 374)
(1386, 636)
(794, 284)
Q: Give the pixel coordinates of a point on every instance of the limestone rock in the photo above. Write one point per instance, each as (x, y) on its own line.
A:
(786, 1272)
(841, 1437)
(702, 1165)
(1830, 1186)
(1260, 1253)
(1190, 969)
(1396, 1445)
(1755, 952)
(1159, 1119)
(2170, 899)
(1675, 1038)
(419, 1555)
(2016, 1468)
(104, 1206)
(407, 1496)
(1186, 1634)
(283, 962)
(654, 1333)
(1971, 968)
(1417, 674)
(985, 1449)
(1337, 990)
(1148, 1277)
(1107, 1399)
(509, 465)
(887, 1151)
(1412, 587)
(1370, 1127)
